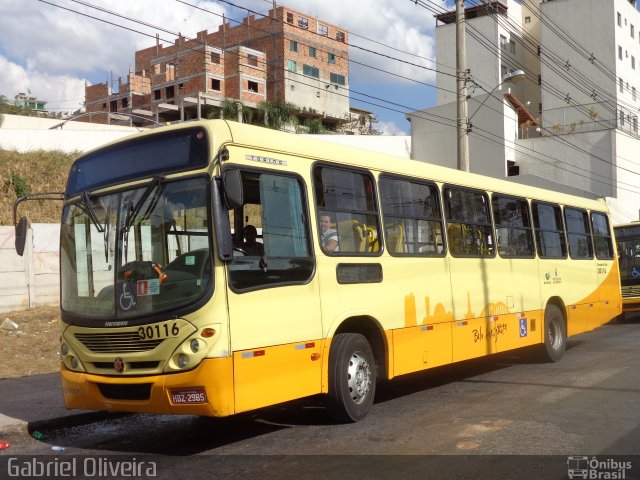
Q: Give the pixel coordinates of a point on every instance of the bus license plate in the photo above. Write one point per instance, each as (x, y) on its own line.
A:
(188, 396)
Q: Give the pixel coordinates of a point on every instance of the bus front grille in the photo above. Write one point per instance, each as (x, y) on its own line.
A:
(141, 391)
(116, 342)
(631, 291)
(130, 365)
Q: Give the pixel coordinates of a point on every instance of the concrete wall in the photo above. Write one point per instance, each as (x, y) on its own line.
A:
(31, 280)
(25, 134)
(434, 135)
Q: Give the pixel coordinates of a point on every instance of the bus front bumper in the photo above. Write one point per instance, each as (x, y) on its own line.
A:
(176, 393)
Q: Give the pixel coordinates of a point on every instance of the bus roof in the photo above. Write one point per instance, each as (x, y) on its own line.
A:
(274, 141)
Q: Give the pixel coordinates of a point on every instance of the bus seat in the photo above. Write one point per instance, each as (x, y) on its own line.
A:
(395, 238)
(352, 236)
(373, 244)
(457, 233)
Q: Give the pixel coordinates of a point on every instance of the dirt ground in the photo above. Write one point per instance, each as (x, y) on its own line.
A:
(32, 349)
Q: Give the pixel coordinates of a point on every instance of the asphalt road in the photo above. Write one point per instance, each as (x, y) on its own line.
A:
(500, 417)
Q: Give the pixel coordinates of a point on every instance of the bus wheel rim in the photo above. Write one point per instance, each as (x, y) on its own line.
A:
(554, 336)
(358, 377)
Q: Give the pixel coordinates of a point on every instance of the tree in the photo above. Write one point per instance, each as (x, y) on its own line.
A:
(363, 123)
(314, 126)
(278, 113)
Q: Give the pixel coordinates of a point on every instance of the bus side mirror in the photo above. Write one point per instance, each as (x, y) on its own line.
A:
(232, 188)
(21, 235)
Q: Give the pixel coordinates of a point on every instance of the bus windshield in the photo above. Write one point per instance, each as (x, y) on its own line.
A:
(136, 252)
(628, 240)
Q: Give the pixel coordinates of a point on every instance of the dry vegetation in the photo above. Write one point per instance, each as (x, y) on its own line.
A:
(41, 171)
(32, 349)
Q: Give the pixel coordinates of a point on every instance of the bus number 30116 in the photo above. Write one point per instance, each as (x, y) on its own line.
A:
(151, 332)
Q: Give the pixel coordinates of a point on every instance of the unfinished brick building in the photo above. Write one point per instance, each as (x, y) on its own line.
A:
(287, 56)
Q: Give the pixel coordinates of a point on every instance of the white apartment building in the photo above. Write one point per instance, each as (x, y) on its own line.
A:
(572, 125)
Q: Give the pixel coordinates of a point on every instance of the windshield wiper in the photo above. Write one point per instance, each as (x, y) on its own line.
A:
(86, 203)
(134, 211)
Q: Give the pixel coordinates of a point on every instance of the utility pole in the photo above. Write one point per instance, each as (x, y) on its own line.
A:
(461, 88)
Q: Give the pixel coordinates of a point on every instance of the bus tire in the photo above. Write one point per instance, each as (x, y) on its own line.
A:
(555, 335)
(352, 377)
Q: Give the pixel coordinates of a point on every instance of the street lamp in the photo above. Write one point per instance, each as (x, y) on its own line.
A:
(463, 130)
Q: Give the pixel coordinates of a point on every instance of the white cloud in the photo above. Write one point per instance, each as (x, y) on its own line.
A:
(51, 50)
(389, 128)
(62, 92)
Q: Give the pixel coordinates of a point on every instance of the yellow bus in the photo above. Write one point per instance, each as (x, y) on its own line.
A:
(628, 243)
(370, 267)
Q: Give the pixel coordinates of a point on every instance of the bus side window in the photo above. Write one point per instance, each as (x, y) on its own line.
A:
(601, 236)
(578, 233)
(347, 198)
(469, 228)
(550, 238)
(513, 227)
(276, 204)
(412, 217)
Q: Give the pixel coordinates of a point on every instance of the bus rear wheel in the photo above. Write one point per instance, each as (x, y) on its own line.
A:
(555, 335)
(352, 377)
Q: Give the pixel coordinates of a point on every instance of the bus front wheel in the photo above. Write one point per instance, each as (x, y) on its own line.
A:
(555, 335)
(352, 377)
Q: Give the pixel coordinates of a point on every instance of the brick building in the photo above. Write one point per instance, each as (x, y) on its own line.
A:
(286, 56)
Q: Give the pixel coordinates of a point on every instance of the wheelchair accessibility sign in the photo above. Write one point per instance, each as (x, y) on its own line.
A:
(523, 327)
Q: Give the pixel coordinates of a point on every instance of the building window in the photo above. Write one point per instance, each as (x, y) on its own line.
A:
(512, 46)
(313, 53)
(125, 102)
(323, 30)
(503, 70)
(621, 118)
(289, 17)
(253, 86)
(215, 84)
(113, 106)
(310, 71)
(292, 66)
(157, 94)
(633, 62)
(619, 52)
(635, 124)
(633, 32)
(303, 22)
(293, 46)
(331, 58)
(215, 58)
(539, 79)
(252, 60)
(171, 92)
(337, 79)
(527, 19)
(340, 36)
(503, 42)
(621, 84)
(633, 93)
(619, 19)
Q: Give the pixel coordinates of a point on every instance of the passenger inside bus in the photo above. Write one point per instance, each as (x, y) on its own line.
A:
(251, 246)
(328, 236)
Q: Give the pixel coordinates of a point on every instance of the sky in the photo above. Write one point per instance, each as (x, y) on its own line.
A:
(52, 51)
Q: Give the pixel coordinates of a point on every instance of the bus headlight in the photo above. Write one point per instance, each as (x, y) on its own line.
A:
(73, 361)
(64, 350)
(195, 345)
(183, 360)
